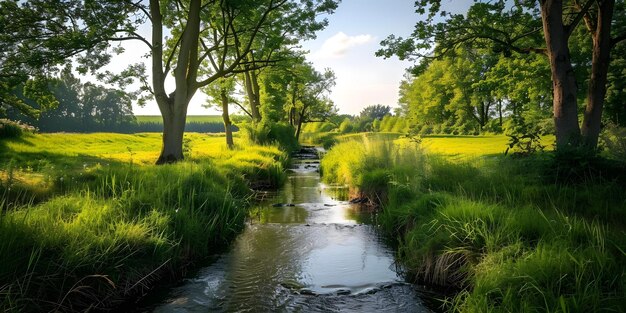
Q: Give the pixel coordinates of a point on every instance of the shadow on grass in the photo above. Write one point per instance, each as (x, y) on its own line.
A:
(28, 178)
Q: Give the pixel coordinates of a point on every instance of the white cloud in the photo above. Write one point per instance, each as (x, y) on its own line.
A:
(338, 45)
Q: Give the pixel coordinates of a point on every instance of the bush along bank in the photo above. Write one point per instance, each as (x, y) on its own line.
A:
(107, 234)
(503, 233)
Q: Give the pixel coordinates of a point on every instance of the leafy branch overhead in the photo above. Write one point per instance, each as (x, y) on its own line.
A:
(38, 37)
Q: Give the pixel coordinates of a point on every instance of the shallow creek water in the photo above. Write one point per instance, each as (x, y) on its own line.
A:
(305, 250)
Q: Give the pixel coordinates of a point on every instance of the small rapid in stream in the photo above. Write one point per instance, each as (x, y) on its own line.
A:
(305, 250)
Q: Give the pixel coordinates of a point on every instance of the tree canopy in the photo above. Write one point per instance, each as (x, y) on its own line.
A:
(567, 32)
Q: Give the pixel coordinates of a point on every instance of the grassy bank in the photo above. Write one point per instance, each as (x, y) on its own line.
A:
(507, 234)
(88, 222)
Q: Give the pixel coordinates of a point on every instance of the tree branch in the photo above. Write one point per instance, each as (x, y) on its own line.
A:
(143, 9)
(168, 63)
(241, 107)
(134, 36)
(569, 28)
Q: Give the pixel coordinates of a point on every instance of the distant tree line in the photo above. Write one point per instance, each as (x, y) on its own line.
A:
(86, 107)
(373, 118)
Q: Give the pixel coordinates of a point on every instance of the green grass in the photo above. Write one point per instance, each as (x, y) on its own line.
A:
(96, 223)
(451, 146)
(505, 232)
(190, 119)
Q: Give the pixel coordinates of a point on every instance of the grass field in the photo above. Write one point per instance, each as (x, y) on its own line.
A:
(190, 119)
(95, 222)
(508, 234)
(453, 147)
(142, 148)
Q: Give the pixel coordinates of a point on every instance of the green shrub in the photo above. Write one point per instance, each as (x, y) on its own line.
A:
(14, 129)
(346, 126)
(525, 138)
(264, 133)
(613, 142)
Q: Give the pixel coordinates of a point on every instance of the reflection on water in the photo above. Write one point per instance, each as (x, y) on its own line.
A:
(304, 250)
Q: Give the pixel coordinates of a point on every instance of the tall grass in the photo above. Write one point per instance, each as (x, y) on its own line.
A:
(110, 230)
(502, 232)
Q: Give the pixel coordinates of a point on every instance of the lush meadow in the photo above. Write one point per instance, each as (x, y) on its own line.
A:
(501, 234)
(88, 222)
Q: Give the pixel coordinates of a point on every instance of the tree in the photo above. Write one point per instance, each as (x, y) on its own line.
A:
(211, 40)
(82, 107)
(517, 29)
(427, 96)
(375, 112)
(220, 94)
(307, 100)
(37, 36)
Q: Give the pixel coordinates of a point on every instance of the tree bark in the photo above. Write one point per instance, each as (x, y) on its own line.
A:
(500, 111)
(564, 85)
(300, 121)
(599, 68)
(173, 131)
(226, 118)
(252, 97)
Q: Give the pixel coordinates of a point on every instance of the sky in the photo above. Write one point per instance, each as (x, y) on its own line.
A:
(346, 46)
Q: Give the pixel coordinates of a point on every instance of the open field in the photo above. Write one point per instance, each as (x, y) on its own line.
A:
(454, 147)
(142, 148)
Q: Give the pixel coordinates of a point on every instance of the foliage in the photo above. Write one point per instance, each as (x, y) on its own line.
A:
(525, 139)
(14, 129)
(375, 112)
(613, 142)
(346, 126)
(318, 127)
(503, 29)
(36, 38)
(393, 123)
(472, 91)
(616, 87)
(81, 107)
(281, 134)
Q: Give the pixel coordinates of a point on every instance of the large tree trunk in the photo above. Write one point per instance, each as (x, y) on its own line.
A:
(599, 69)
(173, 107)
(226, 118)
(563, 80)
(173, 131)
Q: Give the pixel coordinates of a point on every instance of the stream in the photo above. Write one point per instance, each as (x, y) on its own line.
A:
(305, 249)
